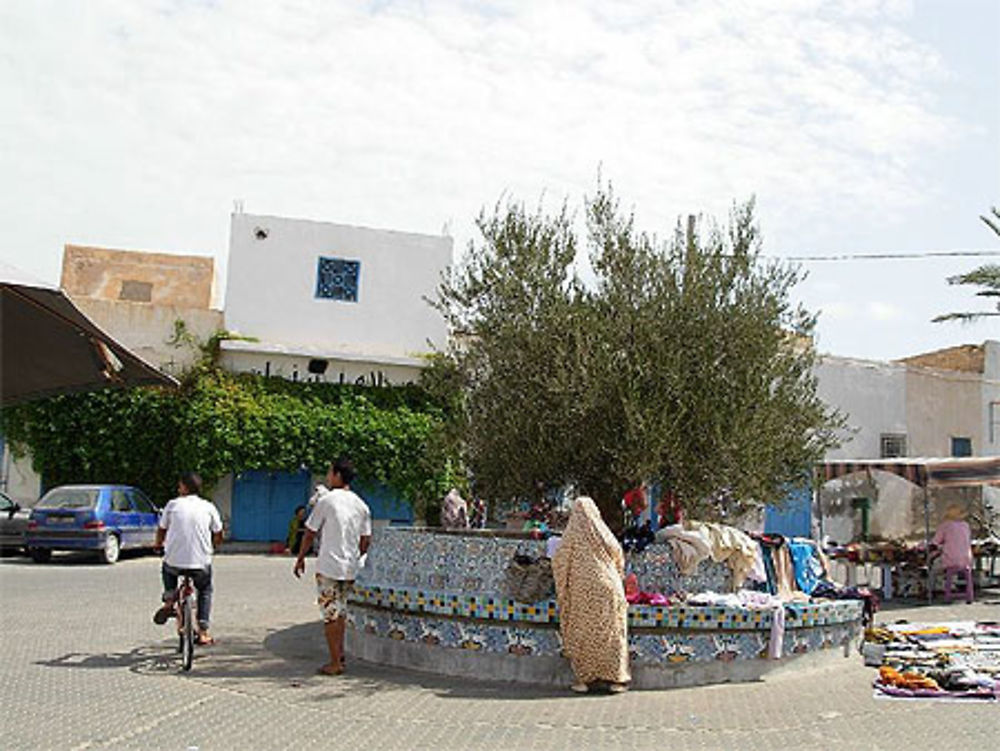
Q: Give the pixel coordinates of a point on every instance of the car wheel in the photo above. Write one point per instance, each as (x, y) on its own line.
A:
(111, 549)
(40, 555)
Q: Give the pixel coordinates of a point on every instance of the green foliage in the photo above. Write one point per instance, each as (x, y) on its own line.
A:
(219, 423)
(987, 277)
(685, 362)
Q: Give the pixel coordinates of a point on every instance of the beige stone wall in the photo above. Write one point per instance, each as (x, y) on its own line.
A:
(138, 277)
(941, 404)
(969, 358)
(146, 329)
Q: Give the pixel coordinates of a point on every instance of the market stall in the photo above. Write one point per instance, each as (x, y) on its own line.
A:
(898, 559)
(942, 661)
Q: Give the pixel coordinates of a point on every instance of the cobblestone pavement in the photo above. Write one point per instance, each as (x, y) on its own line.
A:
(82, 666)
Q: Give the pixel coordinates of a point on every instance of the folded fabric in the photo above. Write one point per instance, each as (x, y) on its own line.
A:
(688, 547)
(728, 544)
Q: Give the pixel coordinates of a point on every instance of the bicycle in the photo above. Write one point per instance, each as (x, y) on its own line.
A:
(184, 604)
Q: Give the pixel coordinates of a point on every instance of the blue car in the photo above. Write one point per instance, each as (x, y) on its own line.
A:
(104, 518)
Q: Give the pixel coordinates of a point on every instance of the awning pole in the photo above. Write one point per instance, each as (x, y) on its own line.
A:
(927, 544)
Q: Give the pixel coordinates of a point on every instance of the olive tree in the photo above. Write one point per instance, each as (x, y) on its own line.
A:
(682, 361)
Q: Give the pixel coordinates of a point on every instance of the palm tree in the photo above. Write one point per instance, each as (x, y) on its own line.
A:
(987, 277)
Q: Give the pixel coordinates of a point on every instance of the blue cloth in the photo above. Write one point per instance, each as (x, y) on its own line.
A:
(808, 569)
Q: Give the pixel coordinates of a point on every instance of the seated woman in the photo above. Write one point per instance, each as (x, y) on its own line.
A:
(954, 539)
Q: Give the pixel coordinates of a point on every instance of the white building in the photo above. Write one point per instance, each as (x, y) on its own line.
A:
(331, 302)
(938, 404)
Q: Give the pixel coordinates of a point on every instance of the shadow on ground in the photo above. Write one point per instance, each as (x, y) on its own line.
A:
(289, 658)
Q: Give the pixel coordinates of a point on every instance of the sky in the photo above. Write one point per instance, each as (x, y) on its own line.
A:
(859, 126)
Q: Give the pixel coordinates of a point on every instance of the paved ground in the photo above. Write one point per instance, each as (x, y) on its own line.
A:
(83, 667)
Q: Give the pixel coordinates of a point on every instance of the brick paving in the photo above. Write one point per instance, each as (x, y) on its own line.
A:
(83, 667)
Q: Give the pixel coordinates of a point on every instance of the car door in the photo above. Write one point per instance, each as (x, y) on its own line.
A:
(147, 518)
(122, 517)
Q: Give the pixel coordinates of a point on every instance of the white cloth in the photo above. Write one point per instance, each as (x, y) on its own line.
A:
(342, 519)
(552, 545)
(688, 547)
(190, 522)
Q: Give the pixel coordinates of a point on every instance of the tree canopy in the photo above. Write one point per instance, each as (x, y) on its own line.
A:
(682, 361)
(987, 277)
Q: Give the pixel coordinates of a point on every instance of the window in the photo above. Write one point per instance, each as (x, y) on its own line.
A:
(120, 501)
(961, 446)
(337, 279)
(136, 291)
(142, 503)
(892, 445)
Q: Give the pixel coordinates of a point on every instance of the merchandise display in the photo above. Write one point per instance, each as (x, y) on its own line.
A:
(943, 661)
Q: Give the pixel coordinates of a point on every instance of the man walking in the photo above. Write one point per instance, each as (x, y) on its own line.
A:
(344, 524)
(191, 528)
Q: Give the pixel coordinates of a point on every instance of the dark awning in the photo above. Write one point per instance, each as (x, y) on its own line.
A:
(48, 346)
(925, 472)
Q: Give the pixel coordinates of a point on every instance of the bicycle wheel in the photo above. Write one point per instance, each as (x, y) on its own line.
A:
(187, 634)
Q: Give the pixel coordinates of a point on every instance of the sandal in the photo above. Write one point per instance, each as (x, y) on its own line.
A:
(327, 670)
(204, 641)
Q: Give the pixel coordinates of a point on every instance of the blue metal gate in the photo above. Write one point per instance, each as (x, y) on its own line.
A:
(264, 502)
(794, 518)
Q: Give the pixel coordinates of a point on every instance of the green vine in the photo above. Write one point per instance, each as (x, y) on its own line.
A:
(219, 423)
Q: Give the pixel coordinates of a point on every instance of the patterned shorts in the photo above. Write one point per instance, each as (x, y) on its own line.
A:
(332, 598)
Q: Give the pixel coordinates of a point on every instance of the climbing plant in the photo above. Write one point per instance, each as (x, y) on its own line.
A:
(218, 423)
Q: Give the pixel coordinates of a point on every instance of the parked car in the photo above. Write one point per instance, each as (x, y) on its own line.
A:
(103, 518)
(13, 524)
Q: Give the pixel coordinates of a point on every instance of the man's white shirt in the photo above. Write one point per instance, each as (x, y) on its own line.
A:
(342, 519)
(190, 522)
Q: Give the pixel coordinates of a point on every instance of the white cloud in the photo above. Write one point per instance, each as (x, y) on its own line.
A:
(136, 124)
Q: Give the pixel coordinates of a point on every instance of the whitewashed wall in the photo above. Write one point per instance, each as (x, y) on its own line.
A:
(271, 287)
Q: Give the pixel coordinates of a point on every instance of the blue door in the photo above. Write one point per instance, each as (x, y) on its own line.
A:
(794, 518)
(383, 502)
(264, 502)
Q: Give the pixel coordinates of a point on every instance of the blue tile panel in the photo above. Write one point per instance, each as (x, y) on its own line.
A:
(682, 616)
(644, 648)
(477, 564)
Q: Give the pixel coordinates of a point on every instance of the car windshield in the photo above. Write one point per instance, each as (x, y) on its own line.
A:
(69, 498)
(5, 502)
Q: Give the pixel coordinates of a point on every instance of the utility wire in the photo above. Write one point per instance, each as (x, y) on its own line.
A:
(958, 253)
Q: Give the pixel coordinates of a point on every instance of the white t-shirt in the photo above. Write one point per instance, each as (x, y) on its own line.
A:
(190, 522)
(342, 519)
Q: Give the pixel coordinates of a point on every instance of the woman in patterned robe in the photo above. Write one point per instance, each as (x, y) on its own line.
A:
(588, 569)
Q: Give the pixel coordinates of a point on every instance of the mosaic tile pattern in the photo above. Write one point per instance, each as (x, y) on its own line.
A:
(444, 590)
(491, 608)
(644, 648)
(473, 563)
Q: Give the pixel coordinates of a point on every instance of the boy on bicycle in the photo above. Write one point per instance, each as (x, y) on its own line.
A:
(190, 530)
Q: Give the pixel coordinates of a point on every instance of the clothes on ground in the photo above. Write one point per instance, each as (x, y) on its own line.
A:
(190, 522)
(943, 661)
(341, 519)
(593, 613)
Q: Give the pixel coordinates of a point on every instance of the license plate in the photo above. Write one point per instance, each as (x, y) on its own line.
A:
(61, 520)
